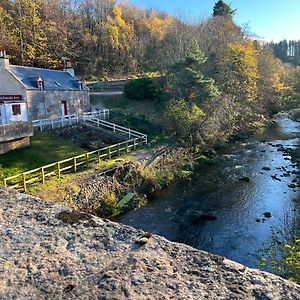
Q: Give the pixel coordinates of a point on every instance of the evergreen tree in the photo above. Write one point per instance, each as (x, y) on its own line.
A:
(188, 79)
(222, 9)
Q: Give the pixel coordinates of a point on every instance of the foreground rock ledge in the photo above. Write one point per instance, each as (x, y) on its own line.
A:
(50, 252)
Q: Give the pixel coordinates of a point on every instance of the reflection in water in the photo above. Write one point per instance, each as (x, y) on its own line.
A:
(240, 228)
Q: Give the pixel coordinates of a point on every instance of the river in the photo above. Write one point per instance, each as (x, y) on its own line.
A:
(240, 228)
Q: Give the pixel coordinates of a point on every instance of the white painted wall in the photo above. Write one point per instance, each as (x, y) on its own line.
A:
(2, 114)
(7, 115)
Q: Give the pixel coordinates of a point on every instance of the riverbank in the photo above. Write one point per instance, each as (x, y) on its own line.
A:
(252, 178)
(60, 253)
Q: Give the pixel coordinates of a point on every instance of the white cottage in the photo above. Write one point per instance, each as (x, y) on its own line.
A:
(36, 93)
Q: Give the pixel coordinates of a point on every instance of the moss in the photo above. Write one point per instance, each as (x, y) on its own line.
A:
(108, 206)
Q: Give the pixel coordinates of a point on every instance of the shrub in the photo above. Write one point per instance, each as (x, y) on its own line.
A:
(108, 205)
(283, 257)
(142, 88)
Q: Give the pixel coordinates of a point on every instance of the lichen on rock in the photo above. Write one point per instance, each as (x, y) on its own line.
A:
(51, 252)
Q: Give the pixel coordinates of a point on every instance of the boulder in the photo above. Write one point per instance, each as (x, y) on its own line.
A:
(51, 252)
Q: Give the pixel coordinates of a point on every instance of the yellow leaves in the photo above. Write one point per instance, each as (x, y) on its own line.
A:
(118, 16)
(196, 112)
(277, 84)
(120, 32)
(156, 26)
(239, 63)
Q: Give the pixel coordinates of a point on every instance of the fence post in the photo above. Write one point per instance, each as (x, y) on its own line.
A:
(118, 149)
(114, 127)
(41, 127)
(134, 145)
(62, 121)
(52, 124)
(98, 153)
(109, 152)
(129, 132)
(126, 146)
(87, 159)
(75, 165)
(58, 169)
(24, 182)
(43, 175)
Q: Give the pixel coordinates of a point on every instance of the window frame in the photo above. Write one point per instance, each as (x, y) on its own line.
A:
(18, 111)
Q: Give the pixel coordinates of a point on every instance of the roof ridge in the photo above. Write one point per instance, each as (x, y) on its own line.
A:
(40, 69)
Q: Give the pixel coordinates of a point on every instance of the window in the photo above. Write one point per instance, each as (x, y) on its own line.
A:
(42, 108)
(16, 109)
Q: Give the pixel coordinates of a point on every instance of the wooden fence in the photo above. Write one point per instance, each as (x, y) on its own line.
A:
(72, 164)
(115, 127)
(43, 124)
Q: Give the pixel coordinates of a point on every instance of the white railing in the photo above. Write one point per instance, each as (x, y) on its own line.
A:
(42, 124)
(115, 128)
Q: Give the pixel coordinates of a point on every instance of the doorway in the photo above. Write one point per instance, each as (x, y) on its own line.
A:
(64, 108)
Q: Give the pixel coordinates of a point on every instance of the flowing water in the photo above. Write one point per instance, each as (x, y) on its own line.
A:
(240, 228)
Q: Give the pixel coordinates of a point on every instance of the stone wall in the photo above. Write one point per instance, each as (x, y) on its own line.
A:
(9, 85)
(15, 144)
(77, 102)
(51, 252)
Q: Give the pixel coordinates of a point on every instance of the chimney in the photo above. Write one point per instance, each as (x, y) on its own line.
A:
(4, 60)
(68, 67)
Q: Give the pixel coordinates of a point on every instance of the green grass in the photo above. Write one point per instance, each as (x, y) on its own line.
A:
(121, 103)
(45, 148)
(54, 184)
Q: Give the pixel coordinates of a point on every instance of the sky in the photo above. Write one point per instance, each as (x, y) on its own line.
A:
(268, 19)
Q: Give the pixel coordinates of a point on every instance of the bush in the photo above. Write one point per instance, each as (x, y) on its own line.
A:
(142, 88)
(139, 123)
(282, 257)
(108, 206)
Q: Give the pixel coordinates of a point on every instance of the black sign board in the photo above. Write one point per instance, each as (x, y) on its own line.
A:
(10, 98)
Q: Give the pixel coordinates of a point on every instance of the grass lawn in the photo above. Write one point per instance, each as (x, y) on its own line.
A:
(125, 105)
(45, 148)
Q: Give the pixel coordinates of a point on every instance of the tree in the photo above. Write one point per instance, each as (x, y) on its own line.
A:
(187, 80)
(222, 9)
(238, 72)
(189, 89)
(270, 84)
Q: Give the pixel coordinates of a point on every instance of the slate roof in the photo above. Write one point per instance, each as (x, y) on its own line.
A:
(53, 79)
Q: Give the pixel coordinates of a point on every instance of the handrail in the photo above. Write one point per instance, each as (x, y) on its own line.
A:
(115, 127)
(68, 119)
